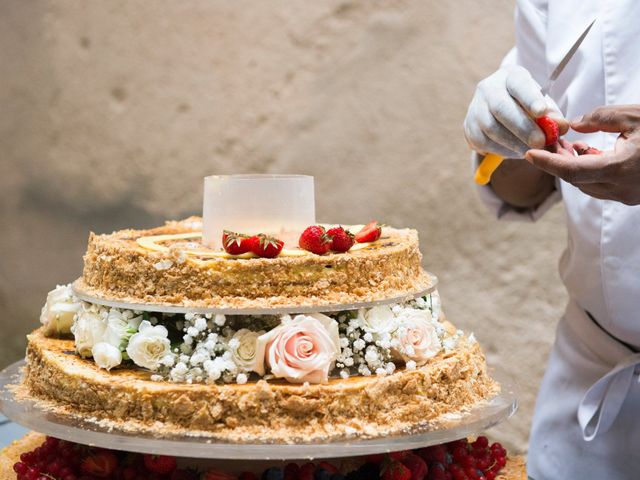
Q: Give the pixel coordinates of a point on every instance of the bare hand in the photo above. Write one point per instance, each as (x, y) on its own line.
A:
(611, 175)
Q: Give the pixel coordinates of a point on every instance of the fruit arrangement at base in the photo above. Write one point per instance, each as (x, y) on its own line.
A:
(459, 460)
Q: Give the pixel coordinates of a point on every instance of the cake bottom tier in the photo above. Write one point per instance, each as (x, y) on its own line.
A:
(513, 470)
(262, 411)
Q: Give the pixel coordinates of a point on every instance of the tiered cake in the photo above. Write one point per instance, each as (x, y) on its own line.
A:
(167, 332)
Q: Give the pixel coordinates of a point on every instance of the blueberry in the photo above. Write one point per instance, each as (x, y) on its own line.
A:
(273, 473)
(321, 474)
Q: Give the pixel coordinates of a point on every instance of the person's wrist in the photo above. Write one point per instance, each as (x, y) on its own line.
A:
(520, 184)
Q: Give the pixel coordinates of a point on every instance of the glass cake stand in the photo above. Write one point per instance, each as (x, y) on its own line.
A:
(170, 308)
(89, 432)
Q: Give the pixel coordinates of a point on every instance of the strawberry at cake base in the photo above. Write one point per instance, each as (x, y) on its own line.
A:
(131, 266)
(262, 411)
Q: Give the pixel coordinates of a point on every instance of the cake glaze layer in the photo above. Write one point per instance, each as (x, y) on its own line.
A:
(263, 411)
(117, 267)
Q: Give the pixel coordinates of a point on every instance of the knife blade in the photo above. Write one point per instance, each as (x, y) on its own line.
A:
(566, 59)
(492, 161)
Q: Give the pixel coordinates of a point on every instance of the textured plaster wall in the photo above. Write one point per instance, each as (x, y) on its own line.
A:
(112, 112)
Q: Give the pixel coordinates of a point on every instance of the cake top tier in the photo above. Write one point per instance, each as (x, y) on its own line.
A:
(170, 265)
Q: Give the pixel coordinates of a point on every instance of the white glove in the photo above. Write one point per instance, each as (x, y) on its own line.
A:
(501, 115)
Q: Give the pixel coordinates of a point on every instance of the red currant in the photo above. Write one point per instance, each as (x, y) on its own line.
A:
(481, 442)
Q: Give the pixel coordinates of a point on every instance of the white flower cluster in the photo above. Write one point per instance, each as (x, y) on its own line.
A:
(305, 348)
(111, 335)
(210, 351)
(374, 339)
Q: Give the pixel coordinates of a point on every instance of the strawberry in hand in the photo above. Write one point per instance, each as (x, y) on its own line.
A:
(369, 233)
(265, 246)
(315, 240)
(235, 243)
(550, 129)
(341, 240)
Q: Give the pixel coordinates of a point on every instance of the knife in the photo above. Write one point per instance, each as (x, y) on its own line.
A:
(492, 161)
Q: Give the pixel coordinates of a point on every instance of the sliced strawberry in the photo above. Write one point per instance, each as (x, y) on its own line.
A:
(235, 243)
(162, 464)
(369, 233)
(265, 246)
(101, 464)
(341, 240)
(315, 240)
(550, 129)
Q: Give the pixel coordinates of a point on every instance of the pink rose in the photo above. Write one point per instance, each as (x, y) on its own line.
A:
(302, 349)
(417, 336)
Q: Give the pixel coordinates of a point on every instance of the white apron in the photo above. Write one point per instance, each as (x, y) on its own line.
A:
(587, 419)
(590, 389)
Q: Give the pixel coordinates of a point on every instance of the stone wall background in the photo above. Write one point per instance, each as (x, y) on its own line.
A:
(112, 112)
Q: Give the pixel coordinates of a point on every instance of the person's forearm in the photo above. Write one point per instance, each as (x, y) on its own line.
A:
(520, 184)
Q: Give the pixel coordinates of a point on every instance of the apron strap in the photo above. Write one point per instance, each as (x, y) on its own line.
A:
(601, 404)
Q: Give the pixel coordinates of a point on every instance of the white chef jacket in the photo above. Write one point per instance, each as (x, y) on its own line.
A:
(600, 267)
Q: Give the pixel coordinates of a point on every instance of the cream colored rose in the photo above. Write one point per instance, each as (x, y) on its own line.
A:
(59, 310)
(106, 355)
(244, 351)
(87, 330)
(417, 336)
(379, 320)
(120, 327)
(302, 349)
(149, 346)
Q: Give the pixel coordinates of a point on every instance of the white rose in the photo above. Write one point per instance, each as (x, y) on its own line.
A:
(244, 354)
(302, 349)
(59, 310)
(379, 320)
(106, 355)
(120, 328)
(417, 336)
(149, 346)
(87, 330)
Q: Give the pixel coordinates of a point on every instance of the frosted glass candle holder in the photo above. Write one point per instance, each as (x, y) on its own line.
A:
(278, 205)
